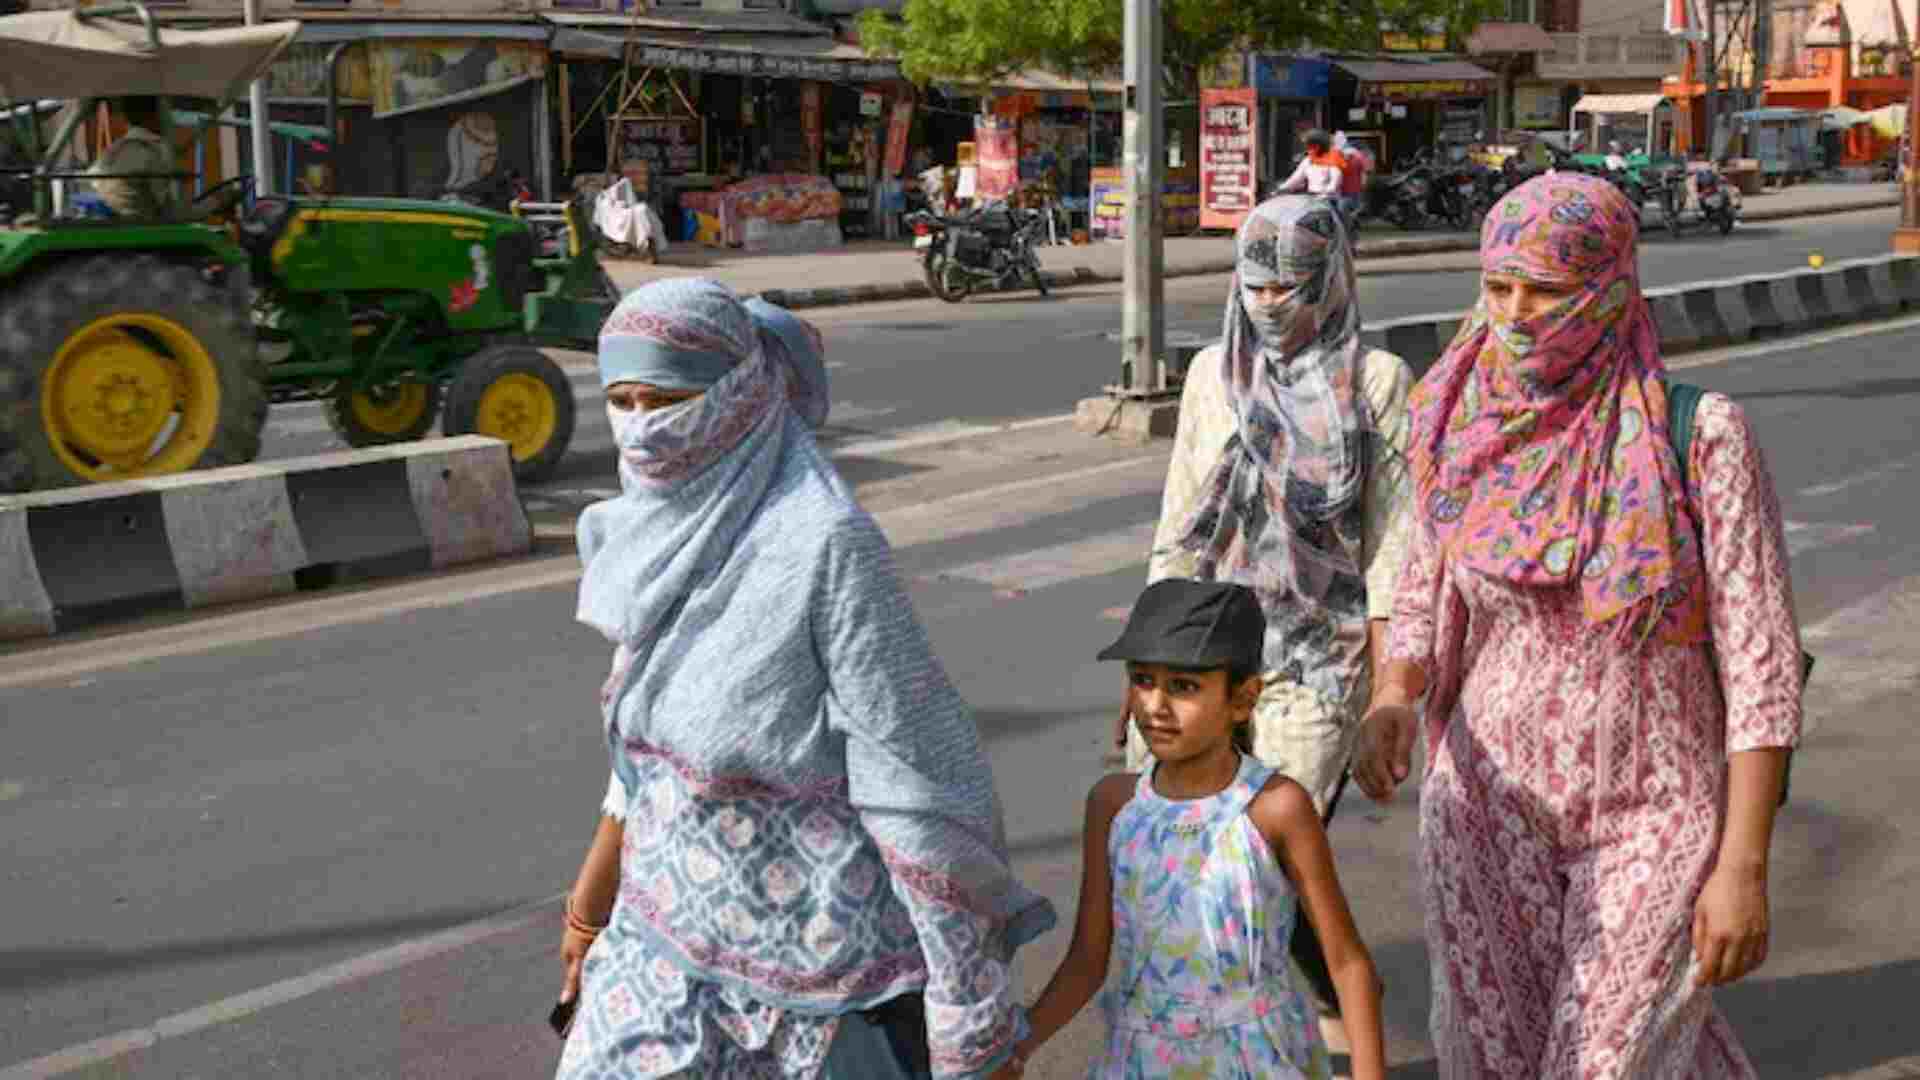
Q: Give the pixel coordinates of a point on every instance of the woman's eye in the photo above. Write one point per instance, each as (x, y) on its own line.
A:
(1184, 686)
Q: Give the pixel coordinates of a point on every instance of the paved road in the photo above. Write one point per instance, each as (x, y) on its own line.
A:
(205, 808)
(911, 369)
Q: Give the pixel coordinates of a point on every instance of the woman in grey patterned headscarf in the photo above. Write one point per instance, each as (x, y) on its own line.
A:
(1288, 477)
(800, 871)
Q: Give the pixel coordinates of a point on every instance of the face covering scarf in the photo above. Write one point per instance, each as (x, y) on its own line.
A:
(1280, 511)
(693, 474)
(1540, 448)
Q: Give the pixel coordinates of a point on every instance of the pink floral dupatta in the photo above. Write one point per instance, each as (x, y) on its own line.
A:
(1540, 448)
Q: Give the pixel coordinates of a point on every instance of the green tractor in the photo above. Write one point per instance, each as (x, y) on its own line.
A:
(149, 337)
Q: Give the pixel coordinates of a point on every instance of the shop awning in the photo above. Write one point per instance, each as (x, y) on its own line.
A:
(1046, 82)
(326, 32)
(1618, 103)
(773, 23)
(821, 59)
(1414, 78)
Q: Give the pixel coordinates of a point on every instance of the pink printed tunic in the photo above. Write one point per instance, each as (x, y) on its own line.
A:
(1573, 801)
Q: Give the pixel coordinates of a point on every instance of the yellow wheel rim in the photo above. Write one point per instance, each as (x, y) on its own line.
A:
(390, 410)
(128, 395)
(520, 410)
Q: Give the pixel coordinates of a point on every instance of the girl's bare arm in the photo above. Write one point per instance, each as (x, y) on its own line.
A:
(1285, 815)
(1084, 970)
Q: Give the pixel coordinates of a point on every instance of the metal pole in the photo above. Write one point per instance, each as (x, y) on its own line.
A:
(1713, 73)
(262, 133)
(1143, 326)
(1908, 239)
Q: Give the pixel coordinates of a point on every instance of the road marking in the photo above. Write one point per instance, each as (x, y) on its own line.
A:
(102, 1050)
(933, 434)
(1808, 535)
(1864, 650)
(1859, 478)
(1057, 564)
(1749, 350)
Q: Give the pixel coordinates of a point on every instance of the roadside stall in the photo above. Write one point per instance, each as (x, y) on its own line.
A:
(1643, 124)
(1786, 142)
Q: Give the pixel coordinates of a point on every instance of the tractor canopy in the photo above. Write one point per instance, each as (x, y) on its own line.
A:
(120, 52)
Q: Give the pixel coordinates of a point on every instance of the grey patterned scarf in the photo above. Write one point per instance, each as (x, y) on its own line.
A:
(1281, 510)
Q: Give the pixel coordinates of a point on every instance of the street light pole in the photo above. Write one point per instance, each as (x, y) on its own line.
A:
(1142, 328)
(1141, 406)
(262, 134)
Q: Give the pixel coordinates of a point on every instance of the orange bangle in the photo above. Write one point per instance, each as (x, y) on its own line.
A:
(581, 926)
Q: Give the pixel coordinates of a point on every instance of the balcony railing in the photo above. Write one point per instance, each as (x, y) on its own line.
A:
(1611, 56)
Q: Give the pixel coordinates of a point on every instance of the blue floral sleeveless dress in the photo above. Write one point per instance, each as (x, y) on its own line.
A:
(1202, 913)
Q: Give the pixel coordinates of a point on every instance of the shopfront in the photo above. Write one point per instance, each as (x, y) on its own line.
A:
(1293, 101)
(775, 143)
(1411, 104)
(424, 109)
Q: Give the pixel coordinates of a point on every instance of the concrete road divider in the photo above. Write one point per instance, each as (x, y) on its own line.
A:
(83, 556)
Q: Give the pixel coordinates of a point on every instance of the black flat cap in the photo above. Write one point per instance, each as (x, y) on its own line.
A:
(1193, 624)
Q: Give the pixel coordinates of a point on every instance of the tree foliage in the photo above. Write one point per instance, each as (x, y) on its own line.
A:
(976, 42)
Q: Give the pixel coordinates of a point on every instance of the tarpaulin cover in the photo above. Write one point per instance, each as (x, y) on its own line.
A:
(58, 54)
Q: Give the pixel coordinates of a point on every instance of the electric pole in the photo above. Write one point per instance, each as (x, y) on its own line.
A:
(1143, 328)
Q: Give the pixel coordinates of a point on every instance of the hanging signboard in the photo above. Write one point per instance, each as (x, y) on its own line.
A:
(763, 65)
(897, 131)
(670, 145)
(997, 144)
(812, 122)
(1228, 121)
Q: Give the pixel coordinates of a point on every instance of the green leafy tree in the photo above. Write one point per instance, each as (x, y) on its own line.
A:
(976, 42)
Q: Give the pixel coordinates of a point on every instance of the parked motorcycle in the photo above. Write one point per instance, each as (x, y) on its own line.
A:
(1401, 199)
(1713, 204)
(495, 191)
(992, 246)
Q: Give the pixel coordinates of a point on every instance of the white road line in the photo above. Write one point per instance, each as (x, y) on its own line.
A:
(1750, 350)
(1808, 535)
(1863, 651)
(1859, 478)
(1040, 568)
(932, 434)
(117, 1045)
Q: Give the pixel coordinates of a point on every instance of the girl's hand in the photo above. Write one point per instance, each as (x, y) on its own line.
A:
(1730, 926)
(1384, 756)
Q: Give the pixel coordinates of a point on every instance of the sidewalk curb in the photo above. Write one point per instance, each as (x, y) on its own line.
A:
(1385, 248)
(85, 556)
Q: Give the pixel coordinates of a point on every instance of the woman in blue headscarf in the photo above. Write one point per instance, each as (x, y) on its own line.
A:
(800, 870)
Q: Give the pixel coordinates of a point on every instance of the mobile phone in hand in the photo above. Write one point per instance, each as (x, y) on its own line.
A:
(561, 1018)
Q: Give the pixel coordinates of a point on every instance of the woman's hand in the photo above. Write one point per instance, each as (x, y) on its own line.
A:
(1730, 925)
(573, 953)
(1384, 755)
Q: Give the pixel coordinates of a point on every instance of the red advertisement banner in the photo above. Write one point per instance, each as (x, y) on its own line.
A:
(1229, 144)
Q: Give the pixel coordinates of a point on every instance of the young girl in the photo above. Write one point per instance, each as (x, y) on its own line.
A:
(1192, 870)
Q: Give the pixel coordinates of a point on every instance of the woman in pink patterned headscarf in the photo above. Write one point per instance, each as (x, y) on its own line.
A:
(1608, 640)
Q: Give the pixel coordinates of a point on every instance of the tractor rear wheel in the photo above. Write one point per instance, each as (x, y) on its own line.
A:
(515, 393)
(113, 368)
(381, 415)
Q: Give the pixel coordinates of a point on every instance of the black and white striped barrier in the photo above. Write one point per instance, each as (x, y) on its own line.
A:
(77, 557)
(1710, 314)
